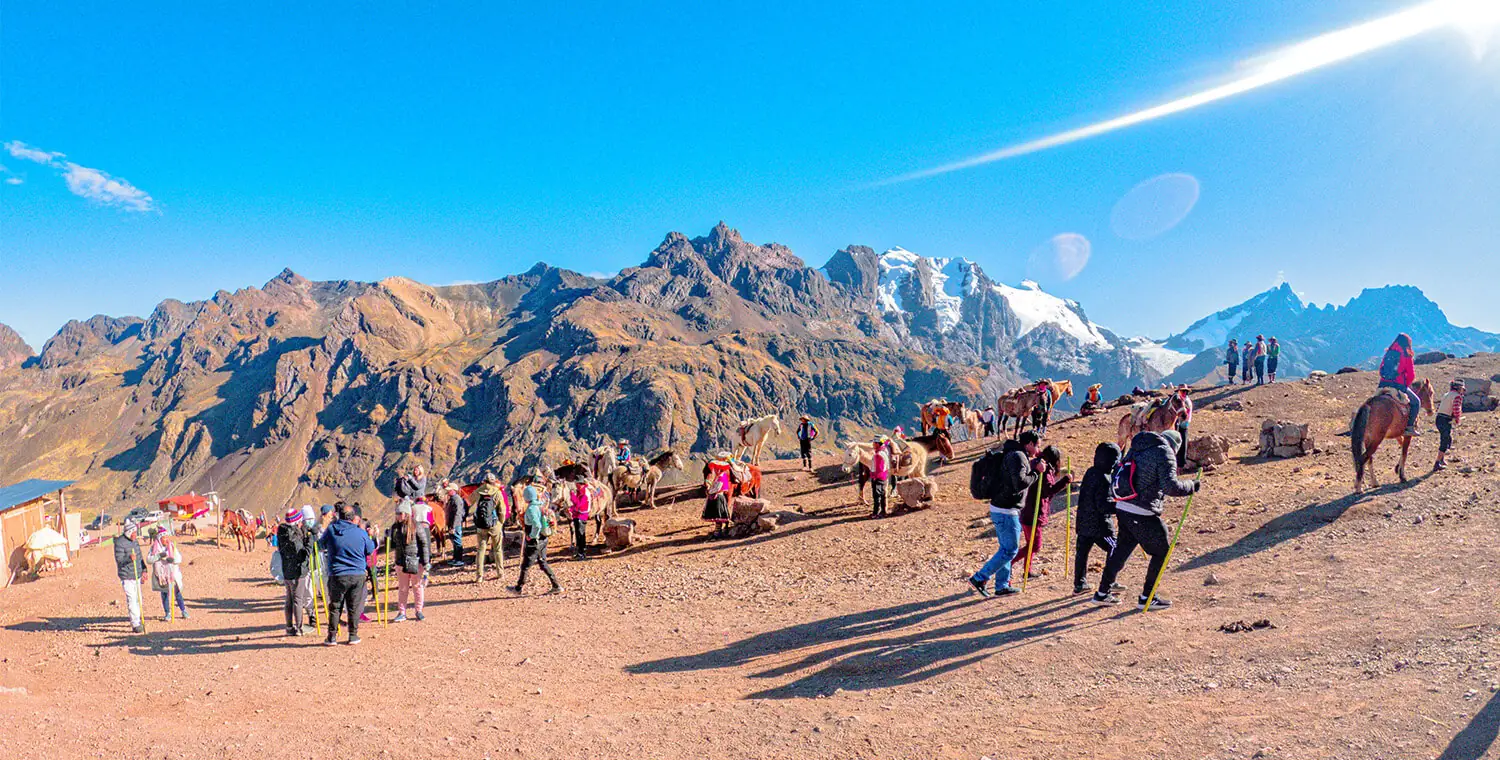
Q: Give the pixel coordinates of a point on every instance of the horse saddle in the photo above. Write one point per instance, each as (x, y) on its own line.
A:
(634, 466)
(743, 431)
(739, 472)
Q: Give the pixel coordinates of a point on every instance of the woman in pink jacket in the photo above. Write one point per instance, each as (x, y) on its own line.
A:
(579, 514)
(880, 475)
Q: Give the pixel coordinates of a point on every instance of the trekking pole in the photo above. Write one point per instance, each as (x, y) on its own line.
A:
(1068, 517)
(313, 581)
(1176, 535)
(385, 589)
(1031, 539)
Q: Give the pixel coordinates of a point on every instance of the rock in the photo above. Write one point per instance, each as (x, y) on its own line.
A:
(915, 493)
(1211, 580)
(1316, 374)
(1346, 370)
(1232, 405)
(619, 534)
(1431, 357)
(1285, 439)
(745, 510)
(766, 524)
(1418, 520)
(1208, 450)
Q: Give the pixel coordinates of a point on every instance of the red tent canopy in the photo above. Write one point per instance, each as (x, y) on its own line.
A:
(192, 504)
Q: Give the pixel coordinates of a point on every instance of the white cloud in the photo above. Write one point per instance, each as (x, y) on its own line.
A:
(85, 182)
(600, 275)
(13, 180)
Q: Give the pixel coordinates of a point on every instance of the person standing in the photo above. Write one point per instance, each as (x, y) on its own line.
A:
(491, 510)
(1149, 476)
(880, 475)
(1184, 421)
(1034, 516)
(456, 510)
(129, 567)
(1260, 360)
(536, 520)
(1398, 370)
(413, 485)
(292, 543)
(346, 546)
(1232, 359)
(580, 508)
(1450, 411)
(807, 432)
(1094, 508)
(166, 572)
(718, 485)
(1248, 355)
(1273, 358)
(1020, 467)
(988, 418)
(411, 546)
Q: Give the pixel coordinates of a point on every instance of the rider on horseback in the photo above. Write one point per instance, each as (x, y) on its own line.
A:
(1398, 371)
(627, 458)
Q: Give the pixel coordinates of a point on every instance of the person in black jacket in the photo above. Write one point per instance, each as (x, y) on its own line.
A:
(292, 542)
(411, 548)
(130, 566)
(1019, 468)
(1094, 508)
(1153, 478)
(457, 511)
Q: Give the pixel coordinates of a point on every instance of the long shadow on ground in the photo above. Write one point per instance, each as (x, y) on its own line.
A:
(1475, 740)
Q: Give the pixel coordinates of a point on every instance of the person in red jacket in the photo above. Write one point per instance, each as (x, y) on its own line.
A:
(1398, 370)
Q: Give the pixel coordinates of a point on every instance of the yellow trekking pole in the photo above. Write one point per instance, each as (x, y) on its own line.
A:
(1036, 514)
(135, 570)
(385, 589)
(1068, 518)
(1176, 535)
(314, 582)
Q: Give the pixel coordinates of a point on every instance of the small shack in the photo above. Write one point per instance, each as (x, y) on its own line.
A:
(26, 508)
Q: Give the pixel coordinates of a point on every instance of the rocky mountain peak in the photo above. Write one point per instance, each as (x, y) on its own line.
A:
(13, 350)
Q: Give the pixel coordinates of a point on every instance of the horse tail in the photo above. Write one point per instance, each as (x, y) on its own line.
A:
(1357, 440)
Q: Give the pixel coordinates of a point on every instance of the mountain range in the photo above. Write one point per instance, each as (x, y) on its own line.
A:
(303, 391)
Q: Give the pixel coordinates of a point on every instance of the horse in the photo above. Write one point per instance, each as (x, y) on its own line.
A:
(935, 443)
(973, 425)
(1150, 417)
(601, 502)
(1060, 388)
(1019, 403)
(237, 523)
(859, 458)
(928, 412)
(622, 479)
(751, 435)
(603, 461)
(1383, 416)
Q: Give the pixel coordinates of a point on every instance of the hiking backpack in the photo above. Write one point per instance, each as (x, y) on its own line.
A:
(1122, 481)
(485, 513)
(985, 475)
(1390, 364)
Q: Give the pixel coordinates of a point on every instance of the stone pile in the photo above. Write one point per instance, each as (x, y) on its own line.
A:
(1284, 439)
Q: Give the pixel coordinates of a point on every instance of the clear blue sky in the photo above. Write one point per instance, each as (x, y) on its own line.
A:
(367, 140)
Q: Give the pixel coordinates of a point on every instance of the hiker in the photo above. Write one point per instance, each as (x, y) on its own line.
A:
(1232, 359)
(491, 510)
(1260, 360)
(1019, 467)
(1033, 514)
(988, 418)
(1146, 477)
(129, 567)
(1450, 412)
(411, 551)
(579, 510)
(166, 572)
(456, 510)
(1183, 423)
(1273, 357)
(1248, 361)
(807, 432)
(880, 475)
(718, 484)
(413, 485)
(314, 528)
(1398, 371)
(292, 544)
(346, 545)
(537, 522)
(1095, 505)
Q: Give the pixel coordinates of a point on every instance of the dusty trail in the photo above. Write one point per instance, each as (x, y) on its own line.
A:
(837, 636)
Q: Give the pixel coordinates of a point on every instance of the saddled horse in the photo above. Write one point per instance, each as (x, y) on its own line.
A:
(1382, 417)
(1150, 417)
(601, 502)
(936, 443)
(972, 424)
(602, 461)
(1019, 403)
(622, 479)
(237, 523)
(750, 435)
(910, 462)
(928, 413)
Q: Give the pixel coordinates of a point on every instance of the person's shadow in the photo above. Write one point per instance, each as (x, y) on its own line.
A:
(1475, 740)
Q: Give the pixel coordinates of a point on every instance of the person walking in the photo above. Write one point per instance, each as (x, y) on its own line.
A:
(880, 475)
(1273, 358)
(1232, 359)
(1398, 370)
(807, 432)
(1450, 411)
(1146, 478)
(456, 509)
(292, 544)
(346, 546)
(1184, 422)
(1019, 468)
(166, 572)
(1260, 360)
(491, 510)
(718, 484)
(411, 548)
(1248, 364)
(129, 567)
(580, 508)
(1034, 516)
(537, 522)
(1094, 509)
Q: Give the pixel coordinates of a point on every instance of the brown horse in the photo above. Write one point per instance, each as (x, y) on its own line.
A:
(929, 415)
(643, 483)
(1150, 417)
(239, 524)
(1060, 388)
(1381, 417)
(1019, 403)
(935, 443)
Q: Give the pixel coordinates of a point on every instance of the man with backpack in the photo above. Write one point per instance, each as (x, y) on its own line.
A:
(807, 432)
(1003, 478)
(490, 511)
(1146, 476)
(293, 543)
(457, 511)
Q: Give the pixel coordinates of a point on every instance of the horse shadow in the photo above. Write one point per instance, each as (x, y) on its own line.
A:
(92, 624)
(1475, 740)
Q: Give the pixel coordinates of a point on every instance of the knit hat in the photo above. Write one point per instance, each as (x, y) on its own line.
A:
(1173, 437)
(308, 513)
(403, 509)
(294, 515)
(1456, 385)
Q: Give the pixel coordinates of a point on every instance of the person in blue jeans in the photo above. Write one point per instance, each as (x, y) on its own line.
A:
(1020, 467)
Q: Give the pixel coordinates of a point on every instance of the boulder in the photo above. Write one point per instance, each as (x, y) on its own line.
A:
(1431, 357)
(745, 510)
(1346, 370)
(1207, 451)
(1126, 400)
(1284, 439)
(915, 493)
(1232, 405)
(619, 534)
(764, 523)
(1316, 374)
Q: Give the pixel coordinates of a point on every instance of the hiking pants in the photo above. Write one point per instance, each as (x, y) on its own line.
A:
(1182, 430)
(490, 542)
(580, 536)
(1260, 370)
(877, 496)
(298, 598)
(1445, 432)
(456, 525)
(1413, 403)
(806, 447)
(345, 593)
(1008, 534)
(1031, 544)
(1081, 552)
(132, 589)
(167, 599)
(1149, 533)
(536, 553)
(1234, 369)
(1245, 376)
(1271, 363)
(416, 584)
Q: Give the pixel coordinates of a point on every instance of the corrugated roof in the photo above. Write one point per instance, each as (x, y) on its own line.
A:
(27, 490)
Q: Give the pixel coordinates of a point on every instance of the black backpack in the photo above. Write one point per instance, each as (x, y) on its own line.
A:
(985, 475)
(485, 514)
(1122, 481)
(1390, 364)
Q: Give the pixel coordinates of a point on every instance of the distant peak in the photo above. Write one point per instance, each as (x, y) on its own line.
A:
(723, 234)
(1030, 285)
(288, 277)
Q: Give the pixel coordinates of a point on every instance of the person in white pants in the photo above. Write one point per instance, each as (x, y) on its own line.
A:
(130, 567)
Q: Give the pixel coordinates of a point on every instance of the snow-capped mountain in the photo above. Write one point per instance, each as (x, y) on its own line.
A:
(1274, 305)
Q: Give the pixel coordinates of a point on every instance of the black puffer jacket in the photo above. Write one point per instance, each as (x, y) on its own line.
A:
(292, 542)
(1155, 475)
(1016, 477)
(413, 553)
(1094, 502)
(411, 487)
(128, 562)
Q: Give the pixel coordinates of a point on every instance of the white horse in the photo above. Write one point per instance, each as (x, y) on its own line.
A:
(603, 461)
(973, 424)
(601, 502)
(751, 435)
(908, 462)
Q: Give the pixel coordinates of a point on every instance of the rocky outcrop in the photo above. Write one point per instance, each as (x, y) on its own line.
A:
(13, 351)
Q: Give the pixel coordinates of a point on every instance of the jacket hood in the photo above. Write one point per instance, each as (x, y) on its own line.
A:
(1147, 440)
(1106, 455)
(340, 527)
(1012, 445)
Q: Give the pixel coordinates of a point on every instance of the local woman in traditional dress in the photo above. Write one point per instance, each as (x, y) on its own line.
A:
(718, 484)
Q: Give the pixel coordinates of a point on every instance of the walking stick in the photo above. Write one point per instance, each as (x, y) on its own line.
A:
(1036, 513)
(385, 589)
(1068, 518)
(1176, 535)
(313, 581)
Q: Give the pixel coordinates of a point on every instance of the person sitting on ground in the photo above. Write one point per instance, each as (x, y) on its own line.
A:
(1273, 358)
(1232, 359)
(491, 510)
(411, 551)
(537, 521)
(1095, 506)
(1034, 516)
(1146, 477)
(166, 572)
(807, 432)
(292, 544)
(1450, 411)
(1020, 467)
(346, 546)
(1398, 370)
(129, 567)
(880, 475)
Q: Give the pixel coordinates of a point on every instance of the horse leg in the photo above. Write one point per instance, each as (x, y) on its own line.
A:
(1401, 468)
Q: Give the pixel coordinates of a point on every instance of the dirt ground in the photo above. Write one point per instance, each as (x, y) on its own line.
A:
(837, 636)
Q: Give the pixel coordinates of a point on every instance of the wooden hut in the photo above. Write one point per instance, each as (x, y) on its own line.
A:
(24, 508)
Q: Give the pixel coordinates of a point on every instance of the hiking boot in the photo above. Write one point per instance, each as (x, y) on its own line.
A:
(399, 618)
(1156, 604)
(1116, 587)
(137, 629)
(330, 642)
(979, 588)
(290, 631)
(515, 590)
(1080, 587)
(184, 615)
(421, 617)
(1440, 466)
(353, 640)
(1412, 431)
(554, 591)
(1104, 597)
(1007, 591)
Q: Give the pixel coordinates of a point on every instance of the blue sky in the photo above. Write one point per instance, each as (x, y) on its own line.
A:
(468, 142)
